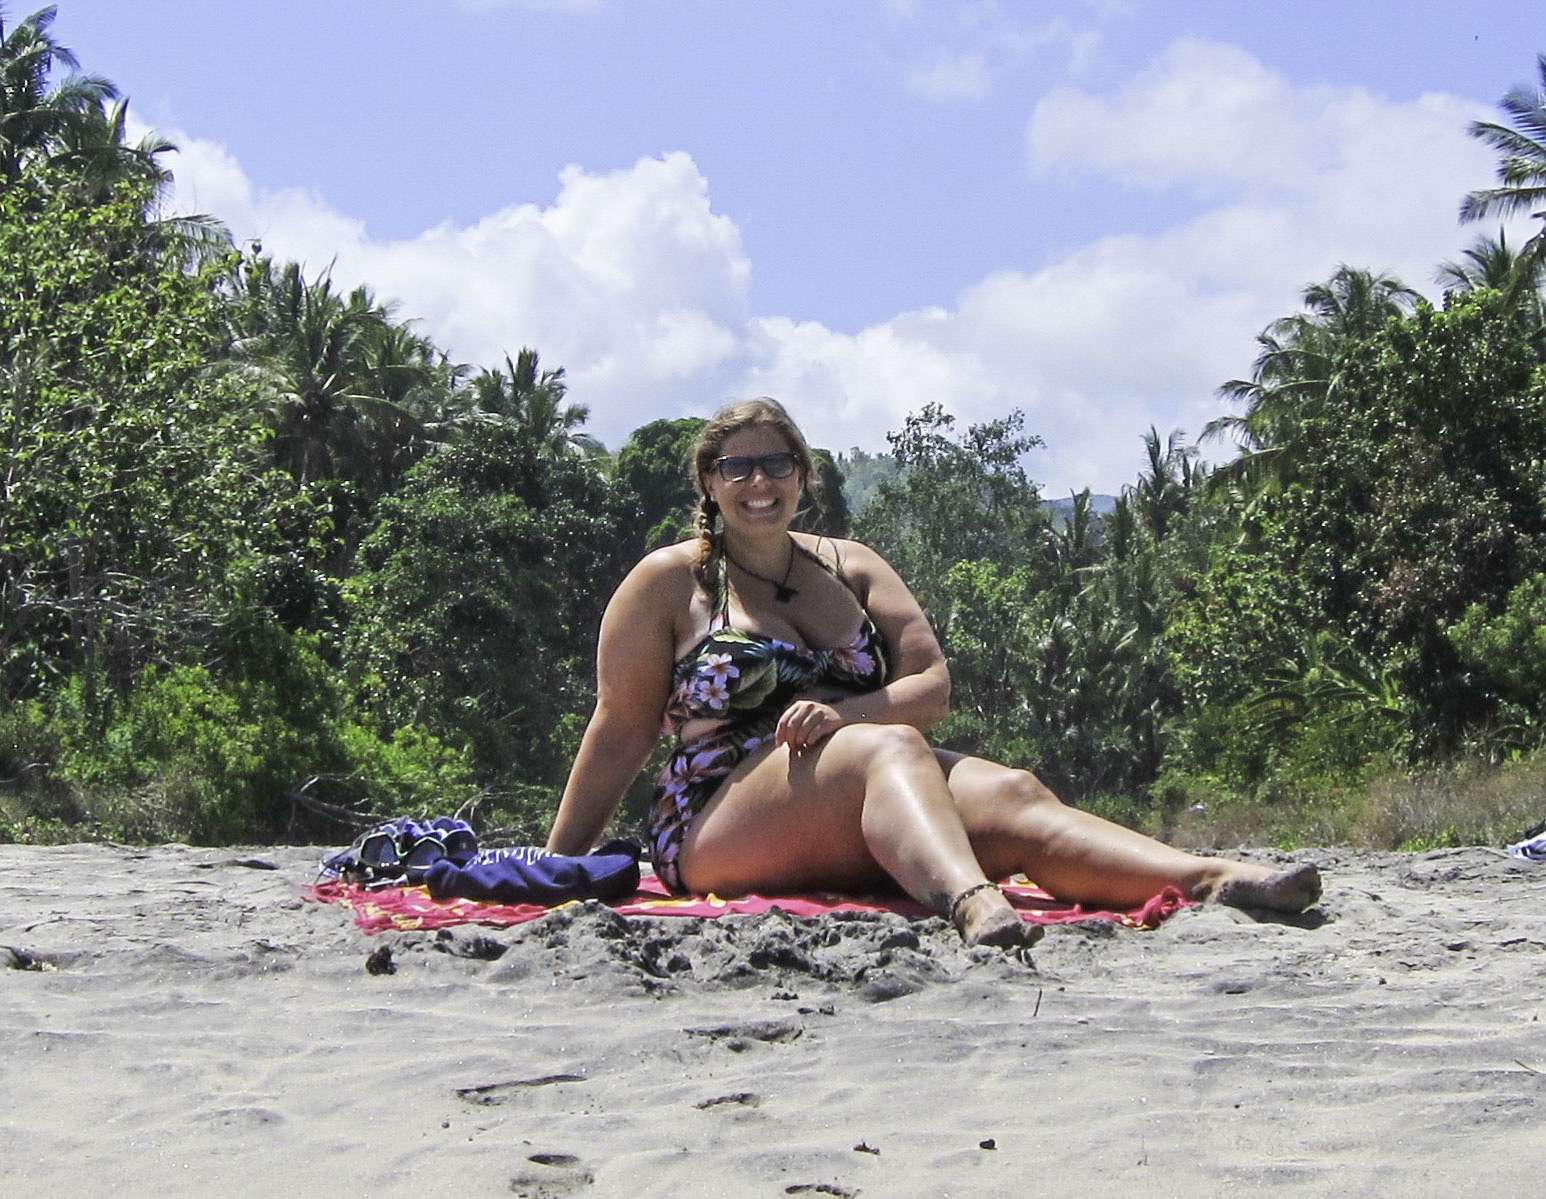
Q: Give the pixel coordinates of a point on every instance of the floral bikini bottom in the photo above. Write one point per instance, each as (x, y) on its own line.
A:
(689, 780)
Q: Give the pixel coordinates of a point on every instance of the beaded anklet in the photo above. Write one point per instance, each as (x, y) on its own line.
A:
(955, 904)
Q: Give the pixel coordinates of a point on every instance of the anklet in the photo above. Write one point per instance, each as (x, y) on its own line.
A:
(955, 904)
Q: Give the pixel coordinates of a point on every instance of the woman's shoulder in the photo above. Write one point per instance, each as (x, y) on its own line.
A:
(850, 559)
(666, 571)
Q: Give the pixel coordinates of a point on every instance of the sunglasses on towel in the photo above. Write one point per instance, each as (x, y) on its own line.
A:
(738, 467)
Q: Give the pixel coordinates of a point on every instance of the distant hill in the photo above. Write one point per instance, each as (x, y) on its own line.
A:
(1060, 510)
(863, 475)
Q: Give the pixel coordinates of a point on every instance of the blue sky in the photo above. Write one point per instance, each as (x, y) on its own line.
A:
(1084, 209)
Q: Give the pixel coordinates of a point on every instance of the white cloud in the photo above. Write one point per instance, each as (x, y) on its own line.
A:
(1131, 330)
(975, 45)
(627, 278)
(1202, 112)
(963, 77)
(631, 281)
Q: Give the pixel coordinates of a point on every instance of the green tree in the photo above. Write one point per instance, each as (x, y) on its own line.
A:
(1296, 370)
(1509, 648)
(1427, 494)
(478, 596)
(654, 465)
(306, 346)
(1487, 262)
(37, 116)
(1521, 145)
(128, 473)
(532, 400)
(955, 500)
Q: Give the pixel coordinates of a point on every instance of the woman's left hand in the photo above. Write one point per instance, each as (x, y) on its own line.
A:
(805, 723)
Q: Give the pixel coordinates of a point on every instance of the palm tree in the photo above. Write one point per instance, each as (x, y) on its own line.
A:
(1491, 263)
(1487, 263)
(417, 379)
(1165, 491)
(1295, 370)
(1355, 302)
(533, 401)
(96, 151)
(308, 346)
(34, 117)
(1521, 171)
(72, 128)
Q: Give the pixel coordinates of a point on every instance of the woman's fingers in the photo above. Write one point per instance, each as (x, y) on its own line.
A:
(805, 722)
(788, 727)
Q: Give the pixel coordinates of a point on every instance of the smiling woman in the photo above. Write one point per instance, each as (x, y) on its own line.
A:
(799, 674)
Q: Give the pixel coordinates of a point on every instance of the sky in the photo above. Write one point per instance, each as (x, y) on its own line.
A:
(1081, 209)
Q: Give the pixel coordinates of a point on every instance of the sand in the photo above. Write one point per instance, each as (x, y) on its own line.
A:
(176, 1021)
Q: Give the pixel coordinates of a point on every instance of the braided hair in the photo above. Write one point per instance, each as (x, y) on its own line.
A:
(708, 544)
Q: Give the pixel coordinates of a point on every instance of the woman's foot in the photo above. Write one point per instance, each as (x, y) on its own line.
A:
(1291, 890)
(983, 917)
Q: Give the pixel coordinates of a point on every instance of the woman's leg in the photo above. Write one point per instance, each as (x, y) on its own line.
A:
(868, 800)
(1014, 823)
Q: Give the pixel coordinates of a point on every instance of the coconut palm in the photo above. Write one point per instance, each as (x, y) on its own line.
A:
(1163, 493)
(95, 150)
(1490, 262)
(1521, 171)
(533, 400)
(79, 127)
(34, 116)
(1295, 370)
(308, 348)
(417, 379)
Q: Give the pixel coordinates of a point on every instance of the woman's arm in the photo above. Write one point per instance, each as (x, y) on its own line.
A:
(919, 691)
(633, 681)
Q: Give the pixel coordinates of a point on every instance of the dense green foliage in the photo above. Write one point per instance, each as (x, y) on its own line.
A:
(487, 557)
(271, 563)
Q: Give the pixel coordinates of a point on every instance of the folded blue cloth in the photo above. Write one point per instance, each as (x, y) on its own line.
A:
(527, 875)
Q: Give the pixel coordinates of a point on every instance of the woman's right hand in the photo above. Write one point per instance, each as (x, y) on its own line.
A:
(805, 723)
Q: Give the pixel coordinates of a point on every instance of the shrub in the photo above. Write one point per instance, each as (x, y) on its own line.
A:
(214, 758)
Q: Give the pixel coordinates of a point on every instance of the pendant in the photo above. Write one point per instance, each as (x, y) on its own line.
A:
(784, 594)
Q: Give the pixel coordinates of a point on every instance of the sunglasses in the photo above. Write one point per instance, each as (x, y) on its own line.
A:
(738, 467)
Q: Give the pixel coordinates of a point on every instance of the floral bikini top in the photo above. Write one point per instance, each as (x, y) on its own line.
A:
(742, 678)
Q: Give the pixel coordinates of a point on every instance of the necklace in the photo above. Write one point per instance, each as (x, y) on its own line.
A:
(782, 591)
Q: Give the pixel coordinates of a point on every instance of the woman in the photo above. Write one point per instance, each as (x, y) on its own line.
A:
(799, 674)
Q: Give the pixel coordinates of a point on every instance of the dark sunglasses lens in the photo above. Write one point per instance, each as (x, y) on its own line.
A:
(775, 466)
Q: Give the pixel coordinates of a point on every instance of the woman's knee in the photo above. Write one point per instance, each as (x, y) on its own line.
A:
(1011, 818)
(870, 747)
(1020, 790)
(1006, 801)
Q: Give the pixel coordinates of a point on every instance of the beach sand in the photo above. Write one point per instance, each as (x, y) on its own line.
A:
(177, 1021)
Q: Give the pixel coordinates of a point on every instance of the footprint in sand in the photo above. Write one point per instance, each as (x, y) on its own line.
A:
(557, 1175)
(738, 1037)
(738, 1098)
(491, 1093)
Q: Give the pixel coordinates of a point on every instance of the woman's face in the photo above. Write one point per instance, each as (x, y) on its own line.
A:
(757, 501)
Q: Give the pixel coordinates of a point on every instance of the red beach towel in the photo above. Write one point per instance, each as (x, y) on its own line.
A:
(408, 909)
